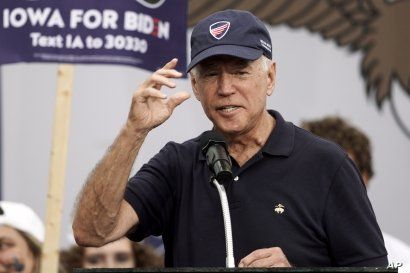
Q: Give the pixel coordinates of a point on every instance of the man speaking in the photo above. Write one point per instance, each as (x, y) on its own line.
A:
(295, 200)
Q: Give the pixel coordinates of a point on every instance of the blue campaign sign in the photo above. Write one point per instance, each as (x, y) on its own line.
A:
(142, 33)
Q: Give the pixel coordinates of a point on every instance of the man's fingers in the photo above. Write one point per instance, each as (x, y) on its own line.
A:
(157, 81)
(162, 76)
(171, 64)
(265, 262)
(176, 99)
(255, 255)
(152, 92)
(271, 261)
(170, 73)
(266, 257)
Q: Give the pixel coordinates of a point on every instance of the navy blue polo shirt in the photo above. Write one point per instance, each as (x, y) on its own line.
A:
(299, 192)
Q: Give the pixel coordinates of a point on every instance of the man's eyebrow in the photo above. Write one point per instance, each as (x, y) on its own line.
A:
(208, 65)
(96, 255)
(236, 63)
(241, 64)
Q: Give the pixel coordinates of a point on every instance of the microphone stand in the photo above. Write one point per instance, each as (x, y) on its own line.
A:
(230, 260)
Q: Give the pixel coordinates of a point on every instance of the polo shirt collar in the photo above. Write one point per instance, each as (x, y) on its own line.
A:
(280, 142)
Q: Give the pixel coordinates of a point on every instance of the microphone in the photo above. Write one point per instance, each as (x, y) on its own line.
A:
(213, 146)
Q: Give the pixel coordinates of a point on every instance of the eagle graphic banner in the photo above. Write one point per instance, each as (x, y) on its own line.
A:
(141, 33)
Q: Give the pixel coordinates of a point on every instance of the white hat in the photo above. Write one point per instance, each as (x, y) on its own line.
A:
(23, 218)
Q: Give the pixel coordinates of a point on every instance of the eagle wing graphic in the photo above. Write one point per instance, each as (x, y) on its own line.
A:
(377, 28)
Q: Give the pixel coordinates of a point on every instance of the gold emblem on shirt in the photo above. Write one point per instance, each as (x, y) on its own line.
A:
(279, 208)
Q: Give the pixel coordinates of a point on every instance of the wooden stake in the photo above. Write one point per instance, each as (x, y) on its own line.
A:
(57, 174)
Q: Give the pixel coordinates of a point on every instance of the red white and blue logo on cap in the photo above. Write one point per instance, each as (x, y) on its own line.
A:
(219, 29)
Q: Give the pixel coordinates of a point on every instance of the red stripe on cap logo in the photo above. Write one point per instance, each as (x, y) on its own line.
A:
(219, 29)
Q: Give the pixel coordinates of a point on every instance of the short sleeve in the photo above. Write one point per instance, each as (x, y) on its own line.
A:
(354, 236)
(150, 192)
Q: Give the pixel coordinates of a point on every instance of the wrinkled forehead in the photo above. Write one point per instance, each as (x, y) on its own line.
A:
(223, 60)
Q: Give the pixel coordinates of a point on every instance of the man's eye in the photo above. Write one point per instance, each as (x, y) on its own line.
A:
(5, 245)
(211, 74)
(94, 259)
(241, 72)
(123, 257)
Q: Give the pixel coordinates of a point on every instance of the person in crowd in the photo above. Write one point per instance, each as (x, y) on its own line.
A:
(358, 146)
(21, 238)
(119, 254)
(156, 243)
(295, 200)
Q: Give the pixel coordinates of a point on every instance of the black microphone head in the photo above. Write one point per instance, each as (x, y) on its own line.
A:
(213, 146)
(209, 138)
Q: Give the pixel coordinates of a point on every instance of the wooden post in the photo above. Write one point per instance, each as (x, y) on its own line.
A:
(57, 174)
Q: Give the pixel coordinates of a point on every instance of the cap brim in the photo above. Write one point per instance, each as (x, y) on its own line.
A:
(247, 53)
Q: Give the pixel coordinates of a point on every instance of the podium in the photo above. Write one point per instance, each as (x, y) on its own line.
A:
(223, 269)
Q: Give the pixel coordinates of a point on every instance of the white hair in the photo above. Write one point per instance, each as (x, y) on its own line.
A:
(265, 63)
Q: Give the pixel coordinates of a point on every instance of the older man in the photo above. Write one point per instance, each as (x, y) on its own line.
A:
(295, 200)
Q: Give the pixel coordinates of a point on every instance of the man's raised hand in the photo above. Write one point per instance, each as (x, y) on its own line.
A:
(150, 106)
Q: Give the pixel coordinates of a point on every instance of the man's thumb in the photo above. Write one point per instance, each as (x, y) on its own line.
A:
(177, 98)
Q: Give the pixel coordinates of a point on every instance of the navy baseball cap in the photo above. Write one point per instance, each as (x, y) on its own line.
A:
(236, 33)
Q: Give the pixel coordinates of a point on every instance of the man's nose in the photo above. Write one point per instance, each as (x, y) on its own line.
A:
(110, 263)
(226, 84)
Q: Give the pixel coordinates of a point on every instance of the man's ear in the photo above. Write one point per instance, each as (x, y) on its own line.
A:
(194, 84)
(271, 78)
